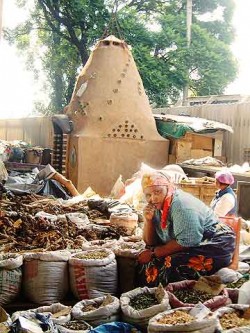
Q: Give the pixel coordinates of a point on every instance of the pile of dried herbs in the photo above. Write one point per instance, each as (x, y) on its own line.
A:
(192, 296)
(90, 307)
(143, 301)
(75, 325)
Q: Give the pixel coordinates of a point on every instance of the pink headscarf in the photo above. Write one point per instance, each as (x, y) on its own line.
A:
(154, 179)
(225, 177)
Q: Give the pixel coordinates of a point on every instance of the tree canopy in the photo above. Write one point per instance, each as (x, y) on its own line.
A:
(59, 34)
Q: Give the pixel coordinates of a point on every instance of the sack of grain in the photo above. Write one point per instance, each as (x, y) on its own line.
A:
(45, 276)
(93, 274)
(184, 319)
(100, 310)
(10, 277)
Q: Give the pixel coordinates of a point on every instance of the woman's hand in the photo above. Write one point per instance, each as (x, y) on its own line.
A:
(148, 211)
(160, 251)
(145, 256)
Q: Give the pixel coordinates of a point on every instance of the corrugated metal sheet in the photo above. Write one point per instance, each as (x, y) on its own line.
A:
(236, 115)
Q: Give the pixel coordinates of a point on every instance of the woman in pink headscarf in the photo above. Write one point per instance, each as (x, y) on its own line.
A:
(183, 236)
(224, 203)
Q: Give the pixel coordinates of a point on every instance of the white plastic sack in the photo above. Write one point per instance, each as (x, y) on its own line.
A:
(79, 219)
(91, 278)
(140, 318)
(206, 324)
(59, 313)
(134, 195)
(118, 189)
(45, 276)
(10, 277)
(101, 315)
(30, 314)
(244, 293)
(129, 249)
(228, 275)
(50, 217)
(100, 244)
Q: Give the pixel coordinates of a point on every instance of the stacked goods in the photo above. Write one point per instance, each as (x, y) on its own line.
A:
(45, 276)
(185, 319)
(97, 311)
(141, 304)
(10, 277)
(93, 274)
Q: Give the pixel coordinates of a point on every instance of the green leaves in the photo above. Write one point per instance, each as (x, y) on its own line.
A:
(58, 35)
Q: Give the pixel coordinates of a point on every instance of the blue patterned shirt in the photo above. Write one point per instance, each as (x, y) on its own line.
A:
(189, 222)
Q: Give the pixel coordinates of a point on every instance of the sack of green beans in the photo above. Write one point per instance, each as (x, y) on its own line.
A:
(141, 304)
(183, 294)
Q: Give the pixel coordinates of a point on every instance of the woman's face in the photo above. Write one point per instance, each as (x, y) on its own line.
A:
(217, 183)
(156, 195)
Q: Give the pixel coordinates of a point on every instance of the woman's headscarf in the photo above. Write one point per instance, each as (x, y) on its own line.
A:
(160, 178)
(157, 178)
(225, 177)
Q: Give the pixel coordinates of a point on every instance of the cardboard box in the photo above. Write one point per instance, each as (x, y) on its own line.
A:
(202, 142)
(200, 153)
(183, 150)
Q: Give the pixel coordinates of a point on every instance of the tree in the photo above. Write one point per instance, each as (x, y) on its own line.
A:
(66, 30)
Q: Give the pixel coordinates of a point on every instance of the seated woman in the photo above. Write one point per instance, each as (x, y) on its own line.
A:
(224, 203)
(183, 237)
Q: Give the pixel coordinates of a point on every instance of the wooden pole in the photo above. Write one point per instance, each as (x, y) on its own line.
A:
(189, 28)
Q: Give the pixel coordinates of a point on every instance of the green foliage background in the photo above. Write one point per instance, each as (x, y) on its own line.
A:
(57, 37)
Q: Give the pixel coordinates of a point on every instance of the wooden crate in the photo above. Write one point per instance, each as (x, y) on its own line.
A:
(193, 189)
(190, 146)
(199, 153)
(207, 193)
(204, 192)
